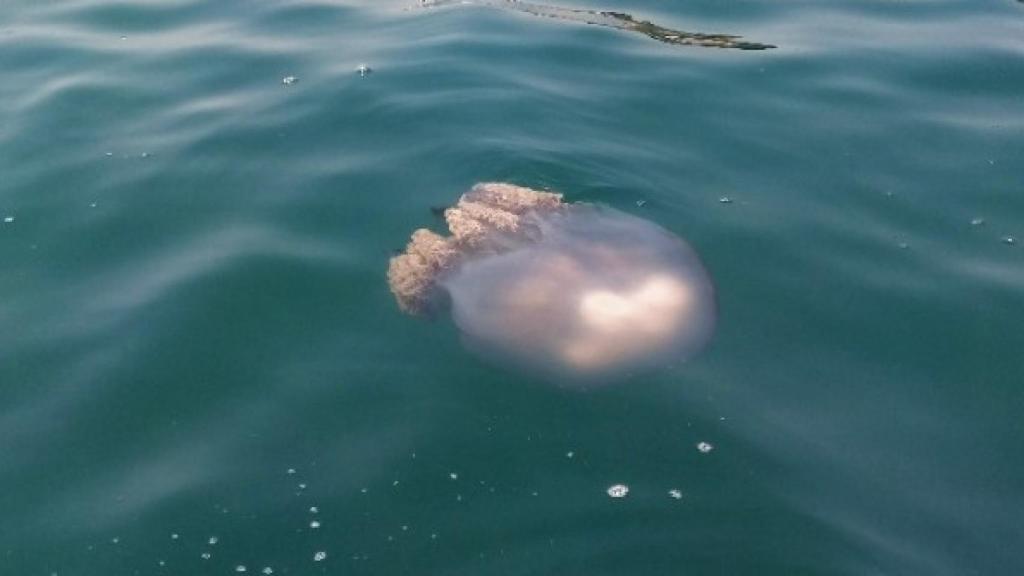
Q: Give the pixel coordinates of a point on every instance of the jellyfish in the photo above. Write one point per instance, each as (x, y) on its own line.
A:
(576, 293)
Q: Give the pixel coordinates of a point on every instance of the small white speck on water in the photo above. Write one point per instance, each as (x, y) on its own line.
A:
(291, 471)
(144, 155)
(725, 200)
(240, 568)
(977, 221)
(313, 510)
(289, 80)
(212, 541)
(1010, 240)
(109, 154)
(320, 556)
(268, 570)
(641, 203)
(570, 454)
(453, 475)
(704, 447)
(115, 540)
(92, 205)
(364, 490)
(405, 527)
(395, 483)
(124, 37)
(162, 563)
(314, 524)
(302, 486)
(676, 494)
(174, 536)
(618, 491)
(8, 219)
(364, 70)
(904, 245)
(433, 536)
(206, 555)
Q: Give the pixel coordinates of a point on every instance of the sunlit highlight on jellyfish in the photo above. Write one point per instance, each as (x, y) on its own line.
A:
(576, 293)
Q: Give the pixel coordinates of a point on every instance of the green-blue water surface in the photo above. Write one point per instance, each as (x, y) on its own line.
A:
(193, 300)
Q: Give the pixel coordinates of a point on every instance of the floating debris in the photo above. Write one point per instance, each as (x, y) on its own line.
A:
(174, 536)
(675, 494)
(453, 475)
(570, 454)
(314, 510)
(319, 556)
(617, 20)
(8, 219)
(641, 203)
(364, 70)
(977, 221)
(212, 541)
(725, 200)
(206, 555)
(291, 471)
(1009, 240)
(704, 447)
(240, 568)
(109, 154)
(314, 524)
(618, 491)
(289, 80)
(268, 570)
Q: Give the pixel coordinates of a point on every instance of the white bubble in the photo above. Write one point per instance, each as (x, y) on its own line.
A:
(618, 491)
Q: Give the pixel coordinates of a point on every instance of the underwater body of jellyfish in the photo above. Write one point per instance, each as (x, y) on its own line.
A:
(575, 293)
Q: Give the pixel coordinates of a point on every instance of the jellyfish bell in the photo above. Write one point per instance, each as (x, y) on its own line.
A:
(574, 293)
